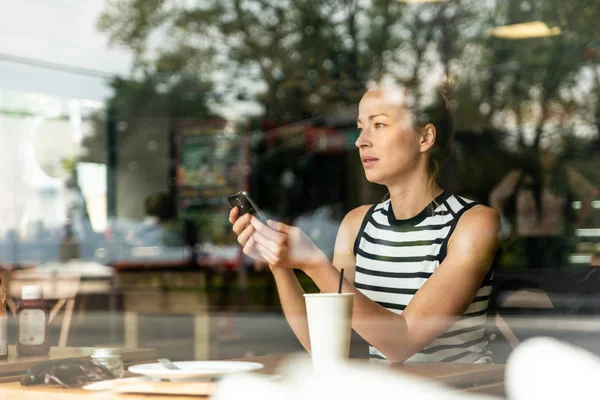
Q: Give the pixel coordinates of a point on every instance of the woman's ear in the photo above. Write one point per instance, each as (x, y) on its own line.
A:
(428, 135)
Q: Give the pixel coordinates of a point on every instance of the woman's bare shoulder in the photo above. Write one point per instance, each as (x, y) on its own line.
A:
(480, 215)
(344, 244)
(354, 218)
(478, 223)
(351, 225)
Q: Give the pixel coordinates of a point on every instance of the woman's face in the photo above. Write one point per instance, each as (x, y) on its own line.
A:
(388, 144)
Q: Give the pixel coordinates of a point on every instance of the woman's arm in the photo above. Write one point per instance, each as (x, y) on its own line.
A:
(289, 289)
(291, 296)
(439, 303)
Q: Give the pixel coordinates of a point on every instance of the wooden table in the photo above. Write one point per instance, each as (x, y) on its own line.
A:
(477, 378)
(465, 377)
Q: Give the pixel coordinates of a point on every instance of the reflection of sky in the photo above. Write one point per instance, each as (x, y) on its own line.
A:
(59, 31)
(64, 32)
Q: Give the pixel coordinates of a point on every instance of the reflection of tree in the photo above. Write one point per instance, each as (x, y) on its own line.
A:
(309, 54)
(303, 52)
(535, 80)
(300, 58)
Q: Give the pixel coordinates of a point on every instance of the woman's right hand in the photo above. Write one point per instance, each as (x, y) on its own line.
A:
(244, 230)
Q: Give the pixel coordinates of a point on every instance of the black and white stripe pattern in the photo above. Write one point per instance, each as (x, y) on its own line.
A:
(395, 258)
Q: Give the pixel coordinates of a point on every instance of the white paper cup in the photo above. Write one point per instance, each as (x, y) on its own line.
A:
(329, 326)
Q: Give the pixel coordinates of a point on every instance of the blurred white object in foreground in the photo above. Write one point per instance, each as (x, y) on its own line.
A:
(545, 368)
(347, 381)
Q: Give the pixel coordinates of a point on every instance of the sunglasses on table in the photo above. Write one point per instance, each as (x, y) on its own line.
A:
(66, 373)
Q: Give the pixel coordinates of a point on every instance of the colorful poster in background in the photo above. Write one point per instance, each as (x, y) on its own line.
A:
(210, 163)
(211, 159)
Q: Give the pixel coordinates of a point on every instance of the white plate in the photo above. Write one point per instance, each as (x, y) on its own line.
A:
(195, 369)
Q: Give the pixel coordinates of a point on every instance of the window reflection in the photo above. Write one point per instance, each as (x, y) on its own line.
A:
(122, 155)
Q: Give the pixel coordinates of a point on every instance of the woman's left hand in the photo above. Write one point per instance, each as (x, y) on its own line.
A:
(286, 246)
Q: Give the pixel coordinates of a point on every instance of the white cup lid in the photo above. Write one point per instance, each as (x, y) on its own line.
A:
(31, 292)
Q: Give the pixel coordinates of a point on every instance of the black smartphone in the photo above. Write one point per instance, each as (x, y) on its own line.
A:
(245, 204)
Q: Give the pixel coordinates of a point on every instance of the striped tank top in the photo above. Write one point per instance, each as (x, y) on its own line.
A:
(394, 258)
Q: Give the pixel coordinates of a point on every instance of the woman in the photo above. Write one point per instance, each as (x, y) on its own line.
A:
(536, 201)
(420, 261)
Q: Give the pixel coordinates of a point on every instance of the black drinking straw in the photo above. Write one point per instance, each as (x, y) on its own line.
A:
(341, 280)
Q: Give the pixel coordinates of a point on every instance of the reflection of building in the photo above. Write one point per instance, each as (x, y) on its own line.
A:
(92, 183)
(34, 143)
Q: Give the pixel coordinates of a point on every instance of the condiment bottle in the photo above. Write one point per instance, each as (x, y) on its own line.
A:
(3, 327)
(32, 323)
